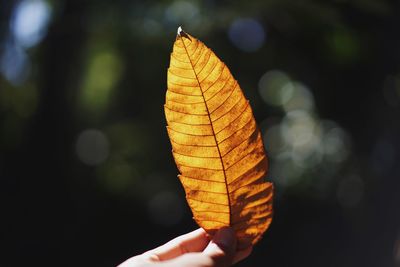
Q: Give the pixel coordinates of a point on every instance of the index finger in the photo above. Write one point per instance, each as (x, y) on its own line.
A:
(194, 241)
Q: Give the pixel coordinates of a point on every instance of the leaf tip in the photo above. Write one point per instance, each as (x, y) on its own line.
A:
(179, 30)
(181, 33)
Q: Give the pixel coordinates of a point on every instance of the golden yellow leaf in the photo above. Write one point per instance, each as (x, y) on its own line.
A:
(216, 143)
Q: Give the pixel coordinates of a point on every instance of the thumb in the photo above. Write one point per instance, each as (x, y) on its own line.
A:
(222, 247)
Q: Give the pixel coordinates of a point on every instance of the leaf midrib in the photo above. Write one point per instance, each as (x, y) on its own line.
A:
(213, 131)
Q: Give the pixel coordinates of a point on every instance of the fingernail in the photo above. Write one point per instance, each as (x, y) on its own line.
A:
(225, 238)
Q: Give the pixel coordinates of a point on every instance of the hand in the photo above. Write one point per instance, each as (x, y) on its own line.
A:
(194, 249)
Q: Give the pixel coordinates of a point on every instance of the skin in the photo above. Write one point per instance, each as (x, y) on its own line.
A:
(194, 249)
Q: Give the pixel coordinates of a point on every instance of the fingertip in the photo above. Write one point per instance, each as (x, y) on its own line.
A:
(225, 238)
(194, 234)
(223, 242)
(222, 247)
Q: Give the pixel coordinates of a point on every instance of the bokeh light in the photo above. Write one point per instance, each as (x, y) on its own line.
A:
(103, 72)
(117, 175)
(29, 23)
(302, 134)
(336, 142)
(182, 12)
(15, 64)
(165, 208)
(151, 27)
(300, 142)
(274, 140)
(275, 87)
(92, 147)
(344, 45)
(247, 34)
(301, 98)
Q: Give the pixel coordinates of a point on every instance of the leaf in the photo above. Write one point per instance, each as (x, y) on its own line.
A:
(216, 143)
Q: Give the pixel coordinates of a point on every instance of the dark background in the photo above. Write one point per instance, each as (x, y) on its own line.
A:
(86, 173)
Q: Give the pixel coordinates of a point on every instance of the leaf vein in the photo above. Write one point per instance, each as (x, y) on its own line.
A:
(208, 202)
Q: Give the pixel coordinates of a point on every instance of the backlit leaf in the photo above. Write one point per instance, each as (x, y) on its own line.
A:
(216, 143)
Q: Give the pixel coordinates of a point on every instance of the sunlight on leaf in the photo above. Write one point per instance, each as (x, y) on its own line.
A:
(216, 143)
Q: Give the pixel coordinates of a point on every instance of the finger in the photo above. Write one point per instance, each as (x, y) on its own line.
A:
(222, 248)
(242, 254)
(194, 241)
(190, 259)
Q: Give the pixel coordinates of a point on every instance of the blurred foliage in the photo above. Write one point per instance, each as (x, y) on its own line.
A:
(87, 176)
